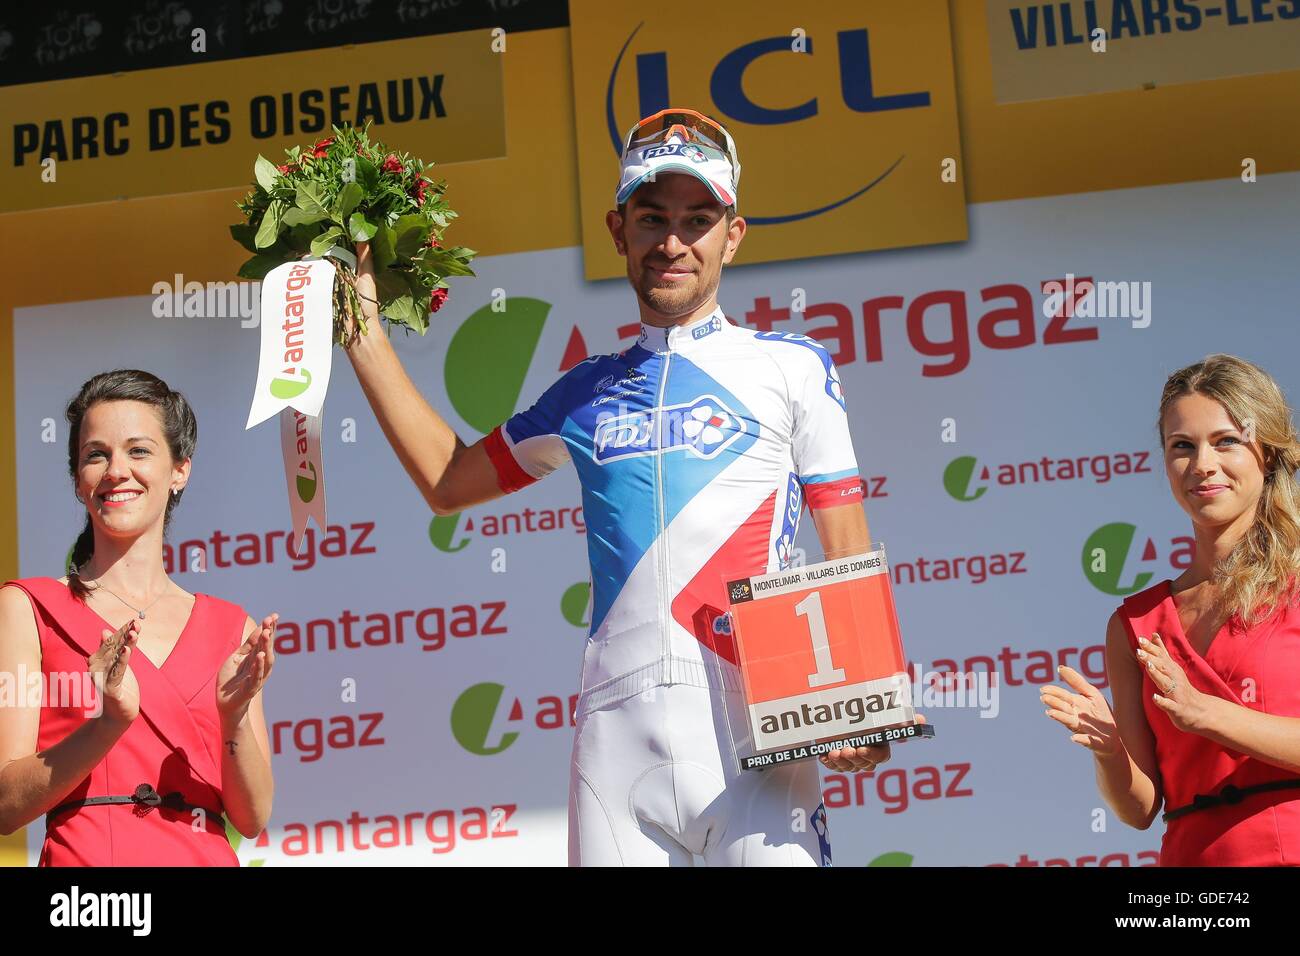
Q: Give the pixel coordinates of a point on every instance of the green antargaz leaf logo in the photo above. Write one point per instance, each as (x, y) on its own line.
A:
(473, 715)
(488, 359)
(958, 478)
(285, 387)
(1107, 551)
(307, 484)
(443, 531)
(573, 604)
(895, 858)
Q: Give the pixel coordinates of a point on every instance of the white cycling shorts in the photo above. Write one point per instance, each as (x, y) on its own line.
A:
(654, 781)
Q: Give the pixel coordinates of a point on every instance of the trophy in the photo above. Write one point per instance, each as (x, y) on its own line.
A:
(821, 660)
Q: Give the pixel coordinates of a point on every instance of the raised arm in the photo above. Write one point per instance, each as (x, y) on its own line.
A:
(450, 475)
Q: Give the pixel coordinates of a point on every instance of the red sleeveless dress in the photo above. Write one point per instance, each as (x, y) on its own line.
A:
(173, 745)
(1258, 668)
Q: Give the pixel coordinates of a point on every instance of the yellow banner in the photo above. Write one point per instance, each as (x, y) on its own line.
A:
(1075, 47)
(844, 116)
(193, 128)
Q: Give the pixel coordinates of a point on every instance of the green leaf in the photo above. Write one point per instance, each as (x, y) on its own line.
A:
(266, 172)
(347, 200)
(389, 287)
(402, 310)
(270, 228)
(298, 217)
(442, 262)
(381, 247)
(412, 233)
(360, 228)
(244, 233)
(421, 307)
(309, 198)
(299, 238)
(257, 267)
(367, 174)
(326, 240)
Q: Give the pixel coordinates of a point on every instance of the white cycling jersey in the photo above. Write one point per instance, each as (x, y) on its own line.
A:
(696, 450)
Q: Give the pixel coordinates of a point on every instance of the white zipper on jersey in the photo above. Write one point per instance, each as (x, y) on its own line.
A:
(663, 584)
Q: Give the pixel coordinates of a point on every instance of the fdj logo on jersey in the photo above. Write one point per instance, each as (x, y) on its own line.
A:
(703, 427)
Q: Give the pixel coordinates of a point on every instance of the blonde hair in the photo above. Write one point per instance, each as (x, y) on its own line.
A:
(1259, 576)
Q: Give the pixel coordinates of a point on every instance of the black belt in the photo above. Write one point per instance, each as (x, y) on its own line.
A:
(145, 797)
(1229, 796)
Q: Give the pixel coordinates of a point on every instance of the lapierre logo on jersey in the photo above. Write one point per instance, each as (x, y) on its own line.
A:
(833, 387)
(633, 376)
(703, 427)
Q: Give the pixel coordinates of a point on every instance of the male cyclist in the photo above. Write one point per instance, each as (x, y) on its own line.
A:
(696, 449)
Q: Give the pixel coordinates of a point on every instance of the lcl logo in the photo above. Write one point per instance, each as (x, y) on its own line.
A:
(726, 87)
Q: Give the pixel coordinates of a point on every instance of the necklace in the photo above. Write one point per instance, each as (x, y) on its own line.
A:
(127, 603)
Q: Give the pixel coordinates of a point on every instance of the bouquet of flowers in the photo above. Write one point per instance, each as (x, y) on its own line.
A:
(344, 190)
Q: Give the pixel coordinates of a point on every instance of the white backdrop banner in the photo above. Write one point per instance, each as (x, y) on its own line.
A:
(419, 710)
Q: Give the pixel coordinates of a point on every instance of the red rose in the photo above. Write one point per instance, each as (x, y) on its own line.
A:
(417, 193)
(433, 243)
(284, 169)
(392, 164)
(437, 299)
(321, 148)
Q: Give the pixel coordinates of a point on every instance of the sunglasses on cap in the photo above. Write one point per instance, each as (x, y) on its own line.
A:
(690, 125)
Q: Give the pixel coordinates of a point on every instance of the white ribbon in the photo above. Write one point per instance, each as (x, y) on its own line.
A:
(293, 374)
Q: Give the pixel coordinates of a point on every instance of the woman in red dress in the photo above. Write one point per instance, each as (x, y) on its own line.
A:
(1205, 669)
(140, 772)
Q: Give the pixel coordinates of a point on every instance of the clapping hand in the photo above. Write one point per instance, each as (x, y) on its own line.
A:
(108, 666)
(1186, 706)
(1084, 713)
(245, 671)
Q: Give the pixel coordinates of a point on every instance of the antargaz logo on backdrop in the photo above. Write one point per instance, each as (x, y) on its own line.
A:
(478, 725)
(443, 531)
(575, 602)
(1111, 564)
(962, 483)
(446, 532)
(488, 359)
(957, 479)
(474, 713)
